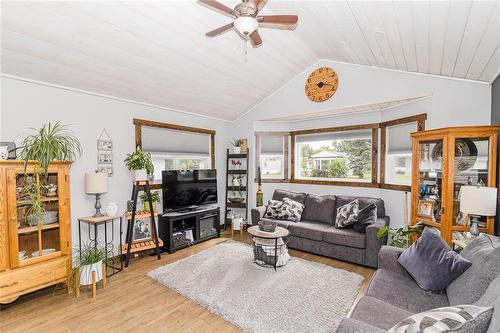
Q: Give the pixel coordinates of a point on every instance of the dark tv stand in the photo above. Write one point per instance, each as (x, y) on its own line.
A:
(202, 222)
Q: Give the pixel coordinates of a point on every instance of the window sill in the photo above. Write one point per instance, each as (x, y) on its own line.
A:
(334, 183)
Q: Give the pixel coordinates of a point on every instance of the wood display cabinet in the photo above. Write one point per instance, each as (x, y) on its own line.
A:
(443, 161)
(34, 253)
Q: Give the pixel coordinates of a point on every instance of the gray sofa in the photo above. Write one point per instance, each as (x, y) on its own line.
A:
(393, 295)
(316, 232)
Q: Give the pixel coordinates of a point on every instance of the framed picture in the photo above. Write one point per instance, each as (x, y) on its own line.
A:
(142, 230)
(105, 168)
(103, 144)
(426, 209)
(105, 157)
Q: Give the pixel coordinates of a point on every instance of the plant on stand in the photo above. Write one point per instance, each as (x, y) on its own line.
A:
(155, 197)
(141, 164)
(401, 237)
(237, 143)
(91, 258)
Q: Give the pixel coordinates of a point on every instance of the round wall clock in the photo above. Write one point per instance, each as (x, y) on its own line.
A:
(321, 84)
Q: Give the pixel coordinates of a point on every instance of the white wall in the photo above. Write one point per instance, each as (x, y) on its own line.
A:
(453, 103)
(26, 105)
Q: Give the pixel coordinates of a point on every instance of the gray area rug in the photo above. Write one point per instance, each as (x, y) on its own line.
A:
(302, 296)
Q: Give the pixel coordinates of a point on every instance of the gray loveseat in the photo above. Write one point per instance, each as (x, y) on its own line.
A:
(393, 295)
(316, 232)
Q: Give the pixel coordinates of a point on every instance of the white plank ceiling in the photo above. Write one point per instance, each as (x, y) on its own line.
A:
(157, 53)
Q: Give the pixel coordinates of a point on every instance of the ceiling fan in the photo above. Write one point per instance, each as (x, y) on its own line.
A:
(247, 19)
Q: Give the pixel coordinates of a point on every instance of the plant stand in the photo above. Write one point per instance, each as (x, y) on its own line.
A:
(94, 281)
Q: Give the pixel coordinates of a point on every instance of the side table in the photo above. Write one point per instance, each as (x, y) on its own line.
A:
(267, 245)
(96, 221)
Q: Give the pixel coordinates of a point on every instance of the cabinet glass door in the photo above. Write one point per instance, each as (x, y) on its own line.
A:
(430, 184)
(37, 215)
(470, 167)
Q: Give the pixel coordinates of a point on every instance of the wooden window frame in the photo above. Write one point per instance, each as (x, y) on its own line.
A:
(139, 123)
(285, 136)
(420, 120)
(374, 136)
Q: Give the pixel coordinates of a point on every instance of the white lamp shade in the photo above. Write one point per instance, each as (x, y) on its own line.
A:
(478, 200)
(96, 183)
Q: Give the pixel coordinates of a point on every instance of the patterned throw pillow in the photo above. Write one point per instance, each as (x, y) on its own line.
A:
(347, 214)
(291, 210)
(456, 319)
(273, 209)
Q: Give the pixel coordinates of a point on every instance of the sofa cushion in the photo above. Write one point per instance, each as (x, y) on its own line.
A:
(431, 262)
(484, 253)
(279, 195)
(378, 313)
(346, 237)
(319, 208)
(273, 209)
(281, 223)
(363, 202)
(347, 214)
(309, 230)
(402, 291)
(491, 297)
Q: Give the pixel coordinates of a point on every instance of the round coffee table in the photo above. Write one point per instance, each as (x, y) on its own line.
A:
(266, 245)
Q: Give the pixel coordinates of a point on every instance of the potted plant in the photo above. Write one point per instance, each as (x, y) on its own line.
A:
(400, 237)
(155, 197)
(49, 143)
(237, 143)
(90, 258)
(140, 163)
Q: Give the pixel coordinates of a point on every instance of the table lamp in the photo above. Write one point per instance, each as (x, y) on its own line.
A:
(478, 201)
(97, 184)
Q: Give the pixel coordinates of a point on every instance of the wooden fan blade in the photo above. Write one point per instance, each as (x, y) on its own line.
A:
(220, 30)
(259, 4)
(278, 19)
(217, 6)
(255, 39)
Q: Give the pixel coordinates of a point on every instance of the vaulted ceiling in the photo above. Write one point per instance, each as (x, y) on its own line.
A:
(157, 53)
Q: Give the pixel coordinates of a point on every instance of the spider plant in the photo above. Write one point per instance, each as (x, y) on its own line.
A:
(51, 142)
(88, 255)
(33, 190)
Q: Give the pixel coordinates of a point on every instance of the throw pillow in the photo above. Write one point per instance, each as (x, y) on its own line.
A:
(456, 319)
(347, 214)
(366, 216)
(273, 209)
(291, 210)
(431, 262)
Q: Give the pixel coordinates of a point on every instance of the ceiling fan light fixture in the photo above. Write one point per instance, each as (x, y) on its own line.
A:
(246, 25)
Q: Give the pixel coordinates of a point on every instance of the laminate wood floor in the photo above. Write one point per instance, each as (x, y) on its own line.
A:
(132, 302)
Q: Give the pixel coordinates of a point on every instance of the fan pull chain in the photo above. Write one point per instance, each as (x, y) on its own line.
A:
(245, 48)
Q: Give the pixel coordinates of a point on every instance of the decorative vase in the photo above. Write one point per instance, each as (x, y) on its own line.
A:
(140, 175)
(4, 153)
(146, 206)
(111, 209)
(237, 223)
(237, 150)
(86, 273)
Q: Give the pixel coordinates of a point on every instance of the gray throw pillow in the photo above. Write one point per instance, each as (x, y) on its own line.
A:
(431, 262)
(366, 216)
(452, 319)
(347, 214)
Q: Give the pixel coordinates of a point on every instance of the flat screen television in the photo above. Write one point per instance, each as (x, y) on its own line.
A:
(188, 188)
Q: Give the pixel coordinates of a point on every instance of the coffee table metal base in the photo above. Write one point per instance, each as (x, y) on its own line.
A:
(270, 252)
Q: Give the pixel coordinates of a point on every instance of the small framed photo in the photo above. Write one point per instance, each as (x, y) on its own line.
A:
(105, 168)
(142, 230)
(426, 209)
(105, 157)
(104, 144)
